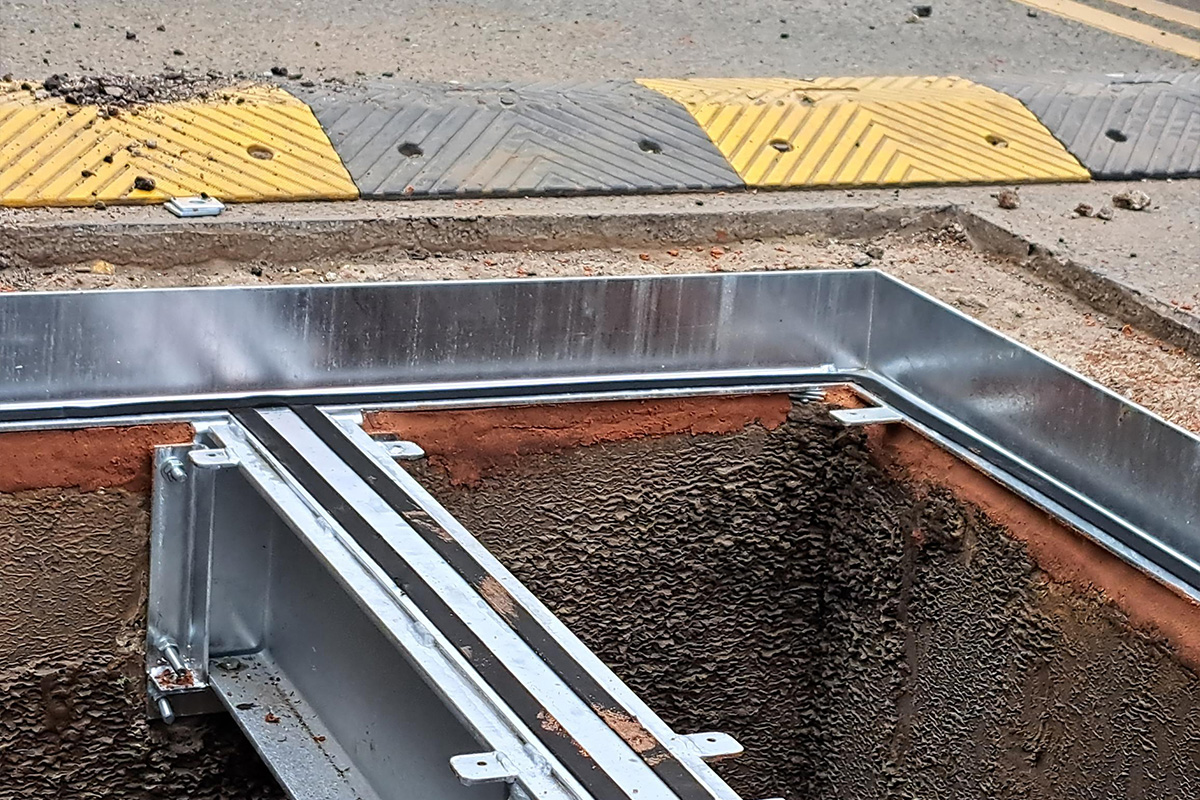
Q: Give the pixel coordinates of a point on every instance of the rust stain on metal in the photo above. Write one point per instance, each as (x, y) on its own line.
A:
(633, 733)
(549, 723)
(423, 522)
(87, 458)
(169, 679)
(271, 718)
(498, 598)
(469, 443)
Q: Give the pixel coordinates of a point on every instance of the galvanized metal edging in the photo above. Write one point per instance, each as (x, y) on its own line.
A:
(94, 354)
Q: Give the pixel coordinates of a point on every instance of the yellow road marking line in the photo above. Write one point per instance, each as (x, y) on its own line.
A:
(1167, 11)
(1116, 24)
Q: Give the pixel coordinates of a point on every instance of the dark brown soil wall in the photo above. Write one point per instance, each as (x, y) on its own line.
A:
(74, 541)
(863, 636)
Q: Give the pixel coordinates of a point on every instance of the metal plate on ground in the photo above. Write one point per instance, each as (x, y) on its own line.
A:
(518, 139)
(249, 144)
(871, 131)
(1121, 127)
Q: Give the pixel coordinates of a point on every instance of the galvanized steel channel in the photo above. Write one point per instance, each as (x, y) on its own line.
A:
(343, 623)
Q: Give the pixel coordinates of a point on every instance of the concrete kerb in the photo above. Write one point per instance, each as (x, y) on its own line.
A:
(379, 228)
(300, 233)
(1102, 292)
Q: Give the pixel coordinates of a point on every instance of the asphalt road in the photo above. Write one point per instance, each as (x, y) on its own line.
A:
(533, 39)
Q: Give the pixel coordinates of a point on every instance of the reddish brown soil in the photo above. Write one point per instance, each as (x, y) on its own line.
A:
(844, 397)
(87, 458)
(470, 442)
(1061, 552)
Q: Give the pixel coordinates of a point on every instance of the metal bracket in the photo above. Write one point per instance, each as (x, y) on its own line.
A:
(714, 746)
(476, 768)
(363, 640)
(404, 451)
(212, 458)
(180, 580)
(875, 415)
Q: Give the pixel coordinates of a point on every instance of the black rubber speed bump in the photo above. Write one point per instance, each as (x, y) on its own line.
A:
(512, 139)
(1120, 127)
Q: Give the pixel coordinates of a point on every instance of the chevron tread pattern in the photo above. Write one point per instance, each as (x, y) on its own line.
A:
(253, 144)
(1122, 127)
(871, 131)
(511, 139)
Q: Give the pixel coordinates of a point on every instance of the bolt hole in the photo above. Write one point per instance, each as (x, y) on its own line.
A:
(710, 739)
(411, 150)
(481, 763)
(1116, 135)
(782, 145)
(996, 141)
(650, 146)
(260, 152)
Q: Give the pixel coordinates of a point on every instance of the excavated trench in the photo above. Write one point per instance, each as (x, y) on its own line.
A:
(869, 617)
(863, 632)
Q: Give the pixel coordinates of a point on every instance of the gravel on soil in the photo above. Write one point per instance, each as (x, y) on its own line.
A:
(997, 292)
(122, 91)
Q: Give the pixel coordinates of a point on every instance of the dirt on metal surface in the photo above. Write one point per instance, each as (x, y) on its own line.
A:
(498, 598)
(863, 630)
(77, 728)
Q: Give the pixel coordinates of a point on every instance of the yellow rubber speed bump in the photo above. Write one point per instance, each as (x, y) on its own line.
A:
(243, 145)
(872, 131)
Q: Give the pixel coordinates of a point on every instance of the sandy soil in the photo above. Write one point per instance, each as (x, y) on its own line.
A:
(998, 293)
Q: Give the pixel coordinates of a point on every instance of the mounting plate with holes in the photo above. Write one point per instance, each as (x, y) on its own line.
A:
(194, 206)
(476, 768)
(876, 415)
(715, 746)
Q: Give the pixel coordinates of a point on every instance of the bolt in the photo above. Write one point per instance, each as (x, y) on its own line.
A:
(172, 469)
(161, 703)
(165, 711)
(171, 653)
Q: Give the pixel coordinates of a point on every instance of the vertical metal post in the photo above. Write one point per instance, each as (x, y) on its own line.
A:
(181, 533)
